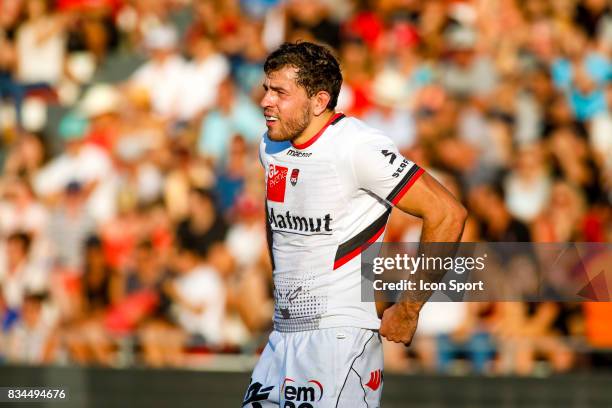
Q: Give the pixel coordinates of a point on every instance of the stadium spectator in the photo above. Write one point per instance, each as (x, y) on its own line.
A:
(205, 22)
(100, 105)
(396, 85)
(202, 78)
(452, 330)
(580, 74)
(89, 300)
(525, 330)
(234, 114)
(528, 186)
(25, 157)
(357, 71)
(137, 18)
(232, 176)
(33, 340)
(562, 218)
(497, 224)
(204, 226)
(247, 65)
(40, 47)
(185, 171)
(246, 237)
(160, 337)
(162, 76)
(20, 210)
(92, 29)
(508, 102)
(9, 87)
(81, 163)
(311, 20)
(199, 296)
(19, 275)
(69, 226)
(467, 73)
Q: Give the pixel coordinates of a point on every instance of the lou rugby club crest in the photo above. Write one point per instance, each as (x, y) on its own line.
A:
(294, 176)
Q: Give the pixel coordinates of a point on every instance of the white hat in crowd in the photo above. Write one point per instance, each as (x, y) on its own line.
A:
(100, 99)
(161, 38)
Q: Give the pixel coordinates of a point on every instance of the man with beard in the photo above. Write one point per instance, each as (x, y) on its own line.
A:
(331, 183)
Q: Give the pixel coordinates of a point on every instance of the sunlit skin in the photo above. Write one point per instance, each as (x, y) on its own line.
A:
(290, 113)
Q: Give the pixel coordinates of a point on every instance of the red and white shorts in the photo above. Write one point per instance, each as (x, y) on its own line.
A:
(325, 368)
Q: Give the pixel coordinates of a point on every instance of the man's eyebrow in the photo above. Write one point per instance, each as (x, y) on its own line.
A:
(274, 88)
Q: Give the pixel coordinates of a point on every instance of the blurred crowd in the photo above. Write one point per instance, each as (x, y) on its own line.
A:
(136, 222)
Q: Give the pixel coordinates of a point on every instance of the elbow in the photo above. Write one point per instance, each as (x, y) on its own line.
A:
(458, 213)
(452, 217)
(457, 216)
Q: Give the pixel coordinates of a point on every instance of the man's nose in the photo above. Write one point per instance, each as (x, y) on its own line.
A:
(265, 100)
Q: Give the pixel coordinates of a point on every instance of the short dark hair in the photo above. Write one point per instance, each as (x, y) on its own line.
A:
(36, 297)
(23, 238)
(93, 242)
(146, 245)
(204, 193)
(317, 68)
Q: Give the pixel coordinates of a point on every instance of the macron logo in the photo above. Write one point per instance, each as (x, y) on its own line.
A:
(375, 380)
(295, 153)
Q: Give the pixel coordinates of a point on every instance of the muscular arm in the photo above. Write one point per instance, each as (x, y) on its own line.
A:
(443, 216)
(443, 220)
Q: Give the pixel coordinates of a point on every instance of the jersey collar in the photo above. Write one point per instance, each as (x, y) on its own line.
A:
(332, 121)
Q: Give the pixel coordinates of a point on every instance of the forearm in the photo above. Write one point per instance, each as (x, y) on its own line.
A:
(446, 230)
(443, 221)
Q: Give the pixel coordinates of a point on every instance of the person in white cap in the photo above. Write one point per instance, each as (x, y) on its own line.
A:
(162, 75)
(81, 162)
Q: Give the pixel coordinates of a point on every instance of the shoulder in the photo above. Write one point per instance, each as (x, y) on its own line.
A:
(90, 150)
(92, 156)
(357, 140)
(355, 132)
(206, 276)
(143, 71)
(219, 61)
(176, 62)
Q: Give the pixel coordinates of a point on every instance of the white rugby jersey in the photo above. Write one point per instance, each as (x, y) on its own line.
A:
(325, 199)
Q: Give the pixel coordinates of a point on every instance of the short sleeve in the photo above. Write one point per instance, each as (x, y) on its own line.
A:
(380, 169)
(262, 146)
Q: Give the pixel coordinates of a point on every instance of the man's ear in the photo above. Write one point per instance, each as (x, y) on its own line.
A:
(320, 101)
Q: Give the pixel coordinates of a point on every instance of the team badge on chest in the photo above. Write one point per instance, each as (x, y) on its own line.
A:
(294, 176)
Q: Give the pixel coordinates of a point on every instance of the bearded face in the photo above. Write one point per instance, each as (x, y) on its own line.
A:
(287, 107)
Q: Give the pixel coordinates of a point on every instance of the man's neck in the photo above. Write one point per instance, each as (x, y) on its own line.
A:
(315, 126)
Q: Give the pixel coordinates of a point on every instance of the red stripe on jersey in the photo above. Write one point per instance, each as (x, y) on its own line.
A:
(407, 186)
(358, 250)
(313, 139)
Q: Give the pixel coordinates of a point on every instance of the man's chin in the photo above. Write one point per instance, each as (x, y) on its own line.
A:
(277, 136)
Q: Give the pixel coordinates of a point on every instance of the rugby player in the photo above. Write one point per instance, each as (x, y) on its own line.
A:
(331, 182)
